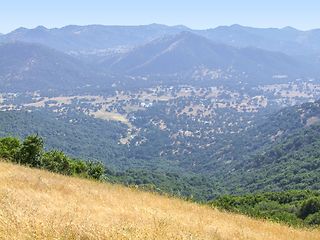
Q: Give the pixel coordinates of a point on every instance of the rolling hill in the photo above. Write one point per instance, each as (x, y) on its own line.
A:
(291, 164)
(30, 67)
(77, 134)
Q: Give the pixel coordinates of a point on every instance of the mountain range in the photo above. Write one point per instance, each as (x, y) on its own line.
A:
(87, 41)
(185, 56)
(287, 40)
(192, 55)
(90, 40)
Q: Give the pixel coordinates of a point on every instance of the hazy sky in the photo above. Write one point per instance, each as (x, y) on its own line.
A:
(198, 14)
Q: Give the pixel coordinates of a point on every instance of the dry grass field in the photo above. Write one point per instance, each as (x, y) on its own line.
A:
(36, 204)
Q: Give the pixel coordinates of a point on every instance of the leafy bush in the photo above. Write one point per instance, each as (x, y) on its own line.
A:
(9, 147)
(95, 169)
(313, 219)
(310, 206)
(294, 207)
(31, 151)
(57, 161)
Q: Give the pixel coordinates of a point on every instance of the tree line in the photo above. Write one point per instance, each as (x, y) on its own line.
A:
(31, 153)
(293, 207)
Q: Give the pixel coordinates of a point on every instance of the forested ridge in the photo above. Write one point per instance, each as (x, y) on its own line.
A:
(79, 135)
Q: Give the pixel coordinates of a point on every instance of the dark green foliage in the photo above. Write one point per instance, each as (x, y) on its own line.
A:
(95, 169)
(198, 188)
(294, 207)
(9, 147)
(313, 219)
(31, 153)
(310, 206)
(291, 164)
(57, 161)
(80, 167)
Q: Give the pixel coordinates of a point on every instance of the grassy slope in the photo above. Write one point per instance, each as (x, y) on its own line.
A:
(42, 205)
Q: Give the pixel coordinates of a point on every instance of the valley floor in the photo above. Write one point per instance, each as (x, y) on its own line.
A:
(36, 204)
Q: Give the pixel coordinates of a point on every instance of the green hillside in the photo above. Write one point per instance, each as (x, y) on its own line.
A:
(78, 135)
(264, 155)
(294, 163)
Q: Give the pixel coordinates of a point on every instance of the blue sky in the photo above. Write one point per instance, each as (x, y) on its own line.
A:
(199, 14)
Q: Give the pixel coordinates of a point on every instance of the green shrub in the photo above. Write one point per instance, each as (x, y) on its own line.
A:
(57, 161)
(31, 151)
(313, 219)
(95, 169)
(310, 206)
(9, 147)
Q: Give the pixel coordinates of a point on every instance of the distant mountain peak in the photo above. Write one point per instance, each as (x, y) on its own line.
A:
(187, 34)
(20, 30)
(181, 27)
(42, 28)
(236, 26)
(289, 28)
(187, 53)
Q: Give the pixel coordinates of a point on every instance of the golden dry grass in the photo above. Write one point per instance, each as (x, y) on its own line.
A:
(36, 204)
